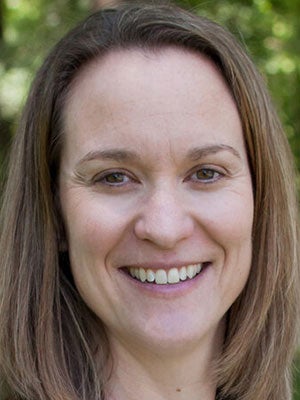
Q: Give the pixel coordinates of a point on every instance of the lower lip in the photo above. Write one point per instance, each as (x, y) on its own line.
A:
(168, 290)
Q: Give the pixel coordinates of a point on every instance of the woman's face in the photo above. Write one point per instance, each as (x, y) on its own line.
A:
(155, 183)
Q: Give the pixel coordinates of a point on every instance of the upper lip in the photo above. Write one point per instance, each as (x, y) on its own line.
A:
(163, 265)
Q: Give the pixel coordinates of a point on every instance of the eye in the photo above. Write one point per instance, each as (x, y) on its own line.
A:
(114, 178)
(206, 175)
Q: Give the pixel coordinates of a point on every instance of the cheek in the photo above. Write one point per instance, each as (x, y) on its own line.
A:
(92, 229)
(93, 233)
(230, 217)
(230, 224)
(237, 243)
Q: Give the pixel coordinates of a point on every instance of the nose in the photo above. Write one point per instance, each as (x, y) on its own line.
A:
(164, 220)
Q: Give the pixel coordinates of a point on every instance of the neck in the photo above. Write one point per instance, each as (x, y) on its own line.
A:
(181, 374)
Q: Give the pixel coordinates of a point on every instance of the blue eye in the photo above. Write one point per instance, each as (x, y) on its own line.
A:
(206, 175)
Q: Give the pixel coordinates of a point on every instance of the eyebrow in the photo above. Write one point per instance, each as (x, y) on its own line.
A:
(119, 155)
(201, 152)
(122, 155)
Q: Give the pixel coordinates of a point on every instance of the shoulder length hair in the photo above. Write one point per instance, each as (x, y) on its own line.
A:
(47, 334)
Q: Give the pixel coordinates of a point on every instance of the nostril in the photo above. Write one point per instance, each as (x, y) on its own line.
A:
(164, 230)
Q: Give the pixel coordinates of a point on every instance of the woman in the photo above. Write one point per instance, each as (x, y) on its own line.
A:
(149, 222)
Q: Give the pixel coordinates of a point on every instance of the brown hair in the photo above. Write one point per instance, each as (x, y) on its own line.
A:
(47, 333)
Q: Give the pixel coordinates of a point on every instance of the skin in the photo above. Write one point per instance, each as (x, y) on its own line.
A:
(167, 124)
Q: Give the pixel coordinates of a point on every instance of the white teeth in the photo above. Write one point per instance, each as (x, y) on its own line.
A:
(162, 277)
(143, 275)
(191, 271)
(132, 272)
(173, 275)
(150, 275)
(182, 274)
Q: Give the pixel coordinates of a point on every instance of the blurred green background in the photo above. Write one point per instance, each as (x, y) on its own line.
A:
(269, 29)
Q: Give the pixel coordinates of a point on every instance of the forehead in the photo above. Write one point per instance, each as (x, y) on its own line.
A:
(133, 72)
(135, 94)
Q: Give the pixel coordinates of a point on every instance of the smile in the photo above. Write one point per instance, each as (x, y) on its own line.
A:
(164, 277)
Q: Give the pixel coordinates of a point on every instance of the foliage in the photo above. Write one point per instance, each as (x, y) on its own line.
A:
(29, 29)
(297, 377)
(270, 30)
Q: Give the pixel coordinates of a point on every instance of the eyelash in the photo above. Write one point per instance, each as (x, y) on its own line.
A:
(127, 178)
(102, 179)
(216, 175)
